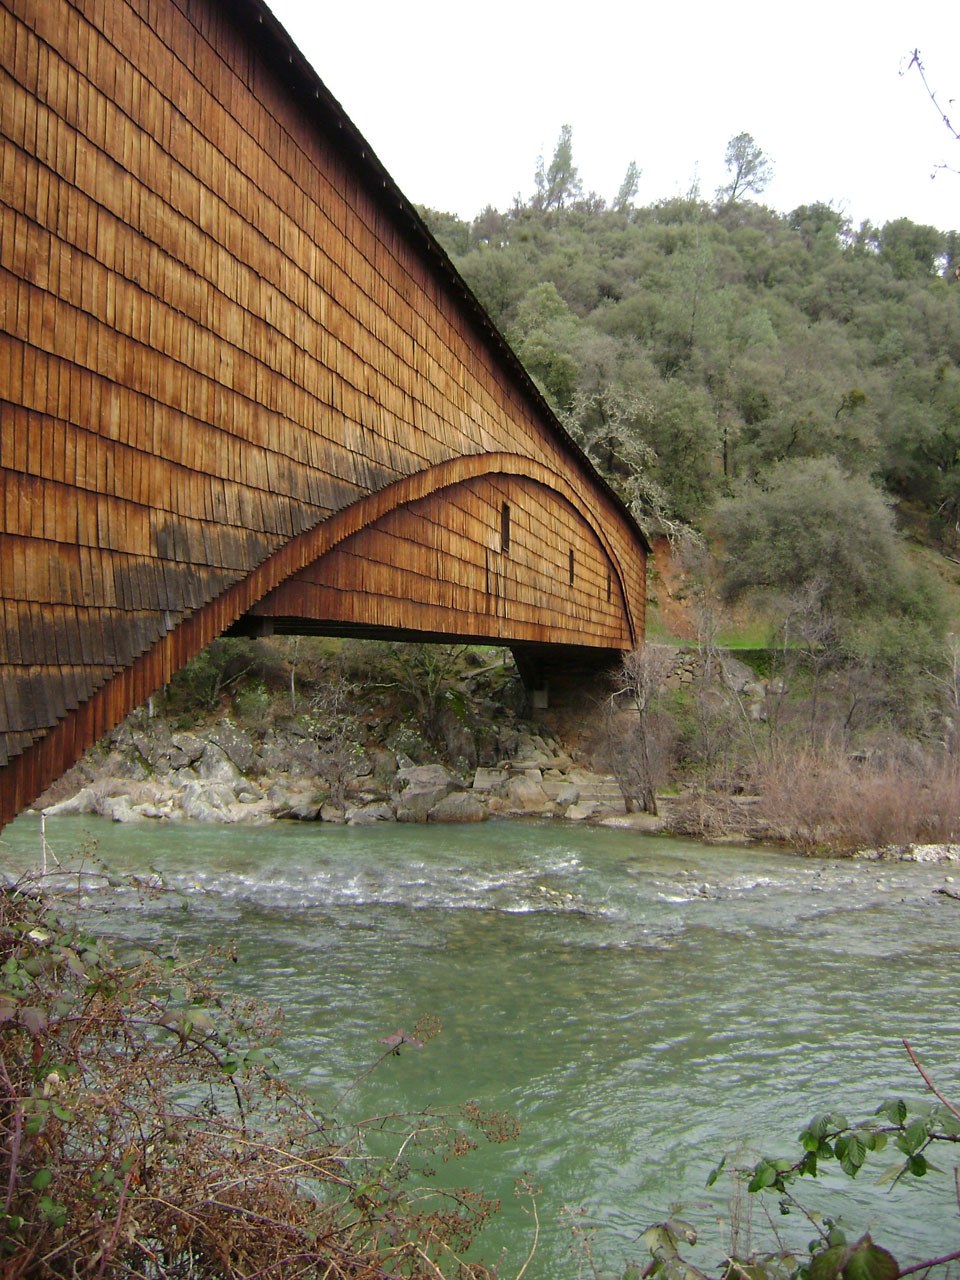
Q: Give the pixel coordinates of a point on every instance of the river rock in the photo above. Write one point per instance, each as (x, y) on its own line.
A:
(154, 744)
(737, 674)
(215, 766)
(368, 815)
(125, 765)
(522, 795)
(185, 748)
(458, 806)
(301, 804)
(236, 745)
(301, 811)
(422, 787)
(384, 764)
(582, 810)
(532, 750)
(933, 853)
(300, 757)
(120, 809)
(207, 802)
(85, 801)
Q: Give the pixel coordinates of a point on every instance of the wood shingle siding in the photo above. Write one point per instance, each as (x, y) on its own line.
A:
(237, 373)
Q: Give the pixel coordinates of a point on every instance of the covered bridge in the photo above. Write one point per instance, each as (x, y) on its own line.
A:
(242, 385)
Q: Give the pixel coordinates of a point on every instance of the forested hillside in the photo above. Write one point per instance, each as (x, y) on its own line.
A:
(782, 391)
(703, 343)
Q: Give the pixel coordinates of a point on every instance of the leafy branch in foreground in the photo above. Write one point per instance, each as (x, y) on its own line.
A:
(829, 1139)
(145, 1133)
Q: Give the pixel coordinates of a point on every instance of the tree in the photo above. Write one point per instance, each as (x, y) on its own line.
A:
(561, 182)
(628, 188)
(751, 170)
(805, 520)
(639, 680)
(544, 330)
(910, 248)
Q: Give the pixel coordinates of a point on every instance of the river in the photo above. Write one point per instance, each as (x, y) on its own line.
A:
(640, 1004)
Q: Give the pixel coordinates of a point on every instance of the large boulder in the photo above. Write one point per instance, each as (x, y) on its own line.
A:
(121, 809)
(302, 804)
(367, 815)
(582, 810)
(185, 748)
(207, 802)
(85, 801)
(420, 788)
(215, 765)
(522, 794)
(236, 745)
(458, 806)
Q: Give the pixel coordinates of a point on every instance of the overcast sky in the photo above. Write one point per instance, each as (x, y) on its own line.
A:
(458, 100)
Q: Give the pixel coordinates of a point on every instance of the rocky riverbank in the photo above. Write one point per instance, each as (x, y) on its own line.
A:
(148, 770)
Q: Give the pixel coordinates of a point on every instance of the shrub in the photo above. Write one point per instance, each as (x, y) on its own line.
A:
(144, 1133)
(831, 801)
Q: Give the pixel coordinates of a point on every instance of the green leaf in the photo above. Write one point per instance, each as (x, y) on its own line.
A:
(682, 1229)
(661, 1241)
(716, 1172)
(853, 1155)
(819, 1127)
(53, 1212)
(828, 1265)
(913, 1136)
(764, 1175)
(869, 1262)
(917, 1165)
(42, 1179)
(808, 1165)
(857, 1150)
(894, 1108)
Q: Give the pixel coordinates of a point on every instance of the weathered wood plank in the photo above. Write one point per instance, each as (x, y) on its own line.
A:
(223, 331)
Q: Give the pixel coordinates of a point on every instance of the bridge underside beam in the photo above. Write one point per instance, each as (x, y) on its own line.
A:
(558, 678)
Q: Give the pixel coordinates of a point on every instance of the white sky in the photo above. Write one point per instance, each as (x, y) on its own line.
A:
(458, 100)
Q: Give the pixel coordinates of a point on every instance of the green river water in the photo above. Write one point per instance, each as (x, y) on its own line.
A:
(640, 1004)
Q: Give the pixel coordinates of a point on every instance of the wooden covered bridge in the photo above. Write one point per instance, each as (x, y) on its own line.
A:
(242, 385)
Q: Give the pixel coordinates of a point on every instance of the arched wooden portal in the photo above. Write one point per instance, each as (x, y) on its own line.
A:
(241, 384)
